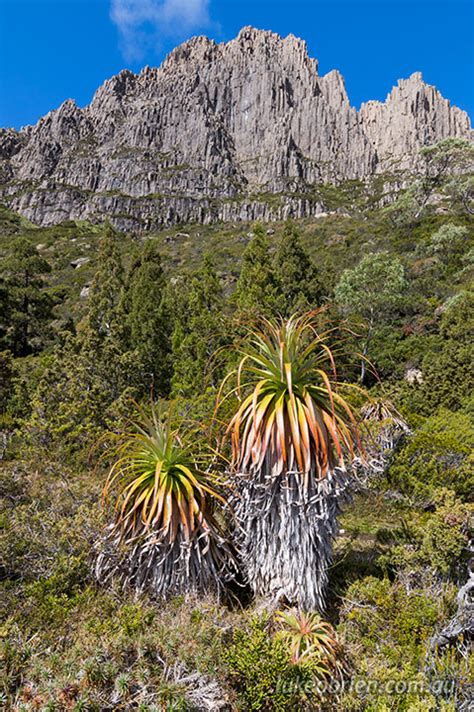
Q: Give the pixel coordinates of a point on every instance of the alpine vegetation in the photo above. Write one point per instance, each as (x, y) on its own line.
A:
(309, 638)
(199, 515)
(293, 439)
(165, 537)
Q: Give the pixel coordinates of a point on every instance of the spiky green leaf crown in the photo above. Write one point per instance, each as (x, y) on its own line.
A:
(160, 487)
(293, 418)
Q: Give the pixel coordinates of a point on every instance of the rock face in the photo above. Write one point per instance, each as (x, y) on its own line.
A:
(413, 115)
(236, 131)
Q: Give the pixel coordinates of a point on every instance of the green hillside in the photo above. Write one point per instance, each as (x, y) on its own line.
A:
(93, 321)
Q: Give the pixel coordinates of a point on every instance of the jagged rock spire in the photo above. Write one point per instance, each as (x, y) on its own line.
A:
(215, 125)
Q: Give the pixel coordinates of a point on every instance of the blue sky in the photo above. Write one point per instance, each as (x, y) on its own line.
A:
(52, 50)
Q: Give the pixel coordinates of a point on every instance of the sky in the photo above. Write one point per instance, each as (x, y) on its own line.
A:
(52, 50)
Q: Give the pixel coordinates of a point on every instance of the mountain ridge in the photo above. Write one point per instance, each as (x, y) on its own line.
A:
(241, 130)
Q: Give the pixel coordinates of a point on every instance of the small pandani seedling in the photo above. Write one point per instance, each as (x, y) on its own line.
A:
(309, 639)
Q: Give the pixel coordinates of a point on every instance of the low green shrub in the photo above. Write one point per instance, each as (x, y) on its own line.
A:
(260, 671)
(438, 454)
(440, 543)
(386, 628)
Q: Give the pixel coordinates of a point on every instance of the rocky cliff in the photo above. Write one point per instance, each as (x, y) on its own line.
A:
(242, 130)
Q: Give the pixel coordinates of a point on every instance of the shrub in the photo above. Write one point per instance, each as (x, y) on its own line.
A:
(386, 628)
(438, 454)
(447, 371)
(261, 672)
(53, 597)
(440, 544)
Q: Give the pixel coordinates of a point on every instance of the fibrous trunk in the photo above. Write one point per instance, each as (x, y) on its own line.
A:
(285, 530)
(204, 563)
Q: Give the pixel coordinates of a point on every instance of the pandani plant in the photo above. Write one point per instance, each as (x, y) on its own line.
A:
(309, 639)
(293, 438)
(165, 536)
(386, 424)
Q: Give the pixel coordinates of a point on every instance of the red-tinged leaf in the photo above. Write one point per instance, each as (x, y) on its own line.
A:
(293, 419)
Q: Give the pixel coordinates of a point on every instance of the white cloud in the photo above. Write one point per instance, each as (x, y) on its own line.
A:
(143, 23)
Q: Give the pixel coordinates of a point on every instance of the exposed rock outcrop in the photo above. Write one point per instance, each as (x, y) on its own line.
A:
(413, 115)
(236, 131)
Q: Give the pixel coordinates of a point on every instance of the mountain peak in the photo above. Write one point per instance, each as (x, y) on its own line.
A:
(416, 77)
(213, 128)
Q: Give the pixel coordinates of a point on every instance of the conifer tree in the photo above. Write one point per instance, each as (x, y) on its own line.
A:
(70, 403)
(3, 313)
(296, 274)
(26, 303)
(257, 288)
(199, 332)
(6, 379)
(88, 375)
(104, 319)
(147, 318)
(102, 335)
